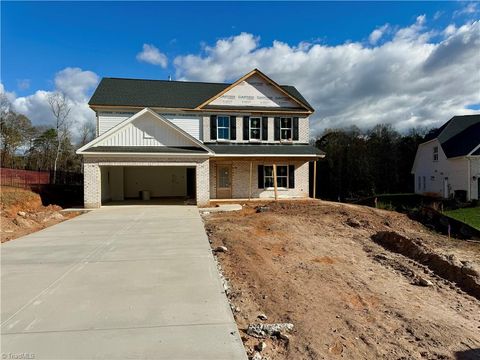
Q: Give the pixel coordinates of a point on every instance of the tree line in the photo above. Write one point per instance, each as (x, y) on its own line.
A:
(41, 147)
(360, 163)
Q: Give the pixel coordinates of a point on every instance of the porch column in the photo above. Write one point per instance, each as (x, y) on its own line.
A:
(203, 183)
(275, 187)
(314, 179)
(92, 184)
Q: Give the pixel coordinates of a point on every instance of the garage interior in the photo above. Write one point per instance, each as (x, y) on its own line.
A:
(148, 184)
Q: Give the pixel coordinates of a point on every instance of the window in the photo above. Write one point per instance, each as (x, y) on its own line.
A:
(223, 127)
(282, 176)
(255, 128)
(419, 184)
(285, 128)
(435, 153)
(424, 183)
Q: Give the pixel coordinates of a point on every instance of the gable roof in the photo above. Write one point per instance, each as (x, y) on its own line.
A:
(459, 136)
(139, 114)
(167, 94)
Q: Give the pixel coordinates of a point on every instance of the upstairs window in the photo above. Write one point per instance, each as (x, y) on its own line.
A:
(435, 153)
(223, 127)
(255, 128)
(286, 129)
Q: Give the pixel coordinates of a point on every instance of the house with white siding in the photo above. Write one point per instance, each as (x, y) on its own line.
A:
(197, 141)
(449, 160)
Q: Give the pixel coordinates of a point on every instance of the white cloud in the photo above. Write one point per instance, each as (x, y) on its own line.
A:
(23, 84)
(77, 86)
(150, 54)
(377, 34)
(406, 81)
(449, 30)
(469, 8)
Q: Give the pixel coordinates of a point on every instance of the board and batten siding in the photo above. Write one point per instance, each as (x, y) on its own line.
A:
(189, 123)
(146, 131)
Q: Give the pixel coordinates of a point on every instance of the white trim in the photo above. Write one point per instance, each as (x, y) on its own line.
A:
(474, 149)
(250, 128)
(268, 155)
(120, 154)
(124, 123)
(224, 127)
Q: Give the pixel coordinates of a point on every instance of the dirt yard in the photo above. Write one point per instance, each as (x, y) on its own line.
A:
(22, 213)
(325, 268)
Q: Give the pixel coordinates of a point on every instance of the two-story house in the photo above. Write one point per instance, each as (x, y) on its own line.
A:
(449, 160)
(203, 141)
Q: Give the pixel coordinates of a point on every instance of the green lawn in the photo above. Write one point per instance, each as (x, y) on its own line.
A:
(471, 216)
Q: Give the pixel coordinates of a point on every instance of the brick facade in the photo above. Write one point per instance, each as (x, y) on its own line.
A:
(92, 175)
(241, 179)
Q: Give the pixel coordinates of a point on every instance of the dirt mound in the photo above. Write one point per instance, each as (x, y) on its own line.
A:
(314, 264)
(22, 212)
(449, 268)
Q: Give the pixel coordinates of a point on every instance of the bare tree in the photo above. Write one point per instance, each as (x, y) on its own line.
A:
(60, 107)
(87, 133)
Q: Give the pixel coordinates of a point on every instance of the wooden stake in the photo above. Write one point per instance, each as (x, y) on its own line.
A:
(275, 181)
(315, 179)
(250, 187)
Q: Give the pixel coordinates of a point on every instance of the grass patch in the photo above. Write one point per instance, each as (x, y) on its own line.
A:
(470, 216)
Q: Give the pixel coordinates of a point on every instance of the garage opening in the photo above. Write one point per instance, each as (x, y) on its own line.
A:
(148, 184)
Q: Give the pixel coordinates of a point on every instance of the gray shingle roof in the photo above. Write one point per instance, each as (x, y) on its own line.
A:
(148, 149)
(460, 135)
(252, 149)
(162, 93)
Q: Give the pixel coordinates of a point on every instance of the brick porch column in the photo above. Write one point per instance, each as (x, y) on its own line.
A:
(92, 186)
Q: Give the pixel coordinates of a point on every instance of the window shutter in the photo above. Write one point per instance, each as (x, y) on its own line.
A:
(264, 128)
(295, 128)
(213, 127)
(260, 177)
(291, 176)
(277, 128)
(233, 128)
(246, 127)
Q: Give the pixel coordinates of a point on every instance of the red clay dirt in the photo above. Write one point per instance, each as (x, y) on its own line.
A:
(22, 213)
(314, 264)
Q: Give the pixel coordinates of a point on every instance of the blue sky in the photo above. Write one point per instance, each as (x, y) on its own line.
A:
(40, 40)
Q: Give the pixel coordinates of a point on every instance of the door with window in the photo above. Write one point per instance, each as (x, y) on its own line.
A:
(224, 181)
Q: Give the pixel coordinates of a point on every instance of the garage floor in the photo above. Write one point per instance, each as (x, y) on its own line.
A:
(135, 282)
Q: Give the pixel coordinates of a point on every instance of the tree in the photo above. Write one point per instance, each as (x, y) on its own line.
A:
(87, 133)
(60, 107)
(15, 131)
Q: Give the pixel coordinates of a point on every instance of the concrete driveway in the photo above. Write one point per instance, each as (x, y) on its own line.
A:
(136, 282)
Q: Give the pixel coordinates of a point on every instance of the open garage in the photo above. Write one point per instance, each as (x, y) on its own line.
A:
(119, 183)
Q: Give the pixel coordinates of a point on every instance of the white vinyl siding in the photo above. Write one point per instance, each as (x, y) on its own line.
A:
(190, 124)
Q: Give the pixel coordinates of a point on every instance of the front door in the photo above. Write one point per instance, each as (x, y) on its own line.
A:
(224, 181)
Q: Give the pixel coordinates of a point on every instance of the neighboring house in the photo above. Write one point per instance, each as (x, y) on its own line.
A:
(449, 160)
(198, 140)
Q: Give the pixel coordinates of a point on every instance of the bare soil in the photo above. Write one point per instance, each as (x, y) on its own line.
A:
(22, 213)
(316, 265)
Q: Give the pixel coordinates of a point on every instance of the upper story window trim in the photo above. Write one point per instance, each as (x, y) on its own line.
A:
(286, 129)
(223, 127)
(255, 128)
(435, 153)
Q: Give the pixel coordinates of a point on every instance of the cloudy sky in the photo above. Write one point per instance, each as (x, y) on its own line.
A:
(407, 64)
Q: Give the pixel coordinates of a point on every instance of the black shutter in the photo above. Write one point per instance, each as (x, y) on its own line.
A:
(277, 128)
(260, 177)
(233, 128)
(213, 127)
(291, 176)
(246, 135)
(295, 128)
(264, 128)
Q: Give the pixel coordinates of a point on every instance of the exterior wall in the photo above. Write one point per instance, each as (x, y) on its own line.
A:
(241, 179)
(435, 172)
(191, 124)
(93, 184)
(146, 131)
(474, 172)
(303, 129)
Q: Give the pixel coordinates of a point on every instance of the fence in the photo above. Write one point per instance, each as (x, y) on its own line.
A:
(27, 178)
(23, 178)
